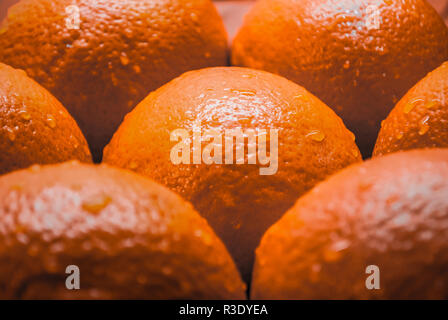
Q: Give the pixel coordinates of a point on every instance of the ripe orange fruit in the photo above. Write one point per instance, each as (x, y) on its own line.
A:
(34, 126)
(420, 119)
(390, 212)
(130, 238)
(360, 57)
(238, 202)
(121, 51)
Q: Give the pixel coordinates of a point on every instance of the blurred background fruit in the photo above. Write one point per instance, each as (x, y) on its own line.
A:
(121, 51)
(34, 126)
(130, 237)
(232, 11)
(391, 212)
(420, 119)
(239, 203)
(331, 49)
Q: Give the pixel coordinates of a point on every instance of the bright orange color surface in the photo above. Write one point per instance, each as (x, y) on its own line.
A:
(34, 126)
(122, 51)
(391, 212)
(238, 202)
(420, 119)
(327, 47)
(130, 237)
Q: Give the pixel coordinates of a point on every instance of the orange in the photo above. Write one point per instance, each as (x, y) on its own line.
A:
(338, 51)
(122, 51)
(34, 126)
(390, 212)
(420, 119)
(238, 202)
(129, 237)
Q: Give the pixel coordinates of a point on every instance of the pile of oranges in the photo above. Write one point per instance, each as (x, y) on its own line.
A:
(133, 151)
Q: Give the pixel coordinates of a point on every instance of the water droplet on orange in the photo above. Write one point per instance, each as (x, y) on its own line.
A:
(51, 122)
(423, 126)
(194, 17)
(316, 135)
(410, 105)
(137, 69)
(96, 203)
(335, 251)
(431, 104)
(25, 115)
(75, 142)
(300, 99)
(124, 59)
(399, 135)
(346, 64)
(244, 92)
(11, 134)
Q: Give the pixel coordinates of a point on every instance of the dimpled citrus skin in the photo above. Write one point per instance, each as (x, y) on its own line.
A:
(130, 237)
(391, 212)
(122, 51)
(34, 126)
(239, 203)
(420, 119)
(326, 46)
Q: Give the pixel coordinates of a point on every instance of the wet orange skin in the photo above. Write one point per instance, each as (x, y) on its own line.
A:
(391, 212)
(34, 126)
(130, 237)
(327, 47)
(420, 118)
(238, 202)
(122, 51)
